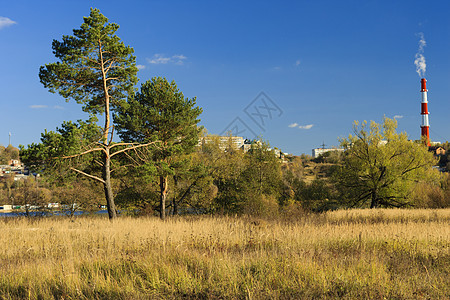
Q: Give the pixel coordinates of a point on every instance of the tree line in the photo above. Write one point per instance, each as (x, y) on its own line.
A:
(220, 179)
(159, 166)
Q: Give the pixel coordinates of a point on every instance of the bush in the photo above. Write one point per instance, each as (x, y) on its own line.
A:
(427, 195)
(264, 206)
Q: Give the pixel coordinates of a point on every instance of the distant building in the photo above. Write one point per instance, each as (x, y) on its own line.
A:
(318, 151)
(237, 142)
(437, 150)
(14, 163)
(223, 141)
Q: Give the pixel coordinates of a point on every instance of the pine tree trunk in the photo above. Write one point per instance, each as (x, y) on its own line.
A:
(107, 158)
(107, 186)
(163, 189)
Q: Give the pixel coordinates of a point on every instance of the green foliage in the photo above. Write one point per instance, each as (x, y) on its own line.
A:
(380, 167)
(194, 189)
(263, 170)
(52, 155)
(94, 53)
(332, 157)
(292, 174)
(160, 112)
(57, 154)
(97, 70)
(223, 164)
(249, 183)
(138, 189)
(317, 196)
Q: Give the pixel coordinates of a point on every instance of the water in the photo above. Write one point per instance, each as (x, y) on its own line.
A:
(48, 213)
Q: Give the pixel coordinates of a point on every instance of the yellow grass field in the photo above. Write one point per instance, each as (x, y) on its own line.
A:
(363, 254)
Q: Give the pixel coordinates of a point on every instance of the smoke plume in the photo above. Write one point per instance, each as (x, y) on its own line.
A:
(421, 65)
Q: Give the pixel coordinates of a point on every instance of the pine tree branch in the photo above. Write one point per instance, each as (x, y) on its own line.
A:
(131, 148)
(110, 64)
(88, 175)
(83, 153)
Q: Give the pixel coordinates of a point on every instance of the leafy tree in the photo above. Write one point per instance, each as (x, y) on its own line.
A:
(380, 167)
(249, 182)
(4, 159)
(8, 153)
(263, 170)
(261, 180)
(78, 195)
(292, 174)
(193, 184)
(315, 196)
(9, 182)
(13, 152)
(224, 163)
(97, 70)
(31, 196)
(159, 112)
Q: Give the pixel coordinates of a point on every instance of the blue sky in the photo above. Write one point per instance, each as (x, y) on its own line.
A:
(318, 65)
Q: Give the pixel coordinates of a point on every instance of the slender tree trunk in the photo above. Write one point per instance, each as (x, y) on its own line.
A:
(374, 202)
(174, 200)
(163, 188)
(175, 207)
(9, 192)
(107, 185)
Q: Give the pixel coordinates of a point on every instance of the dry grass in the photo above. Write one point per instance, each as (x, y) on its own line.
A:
(368, 254)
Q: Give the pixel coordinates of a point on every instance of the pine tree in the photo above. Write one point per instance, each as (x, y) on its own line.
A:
(96, 69)
(159, 112)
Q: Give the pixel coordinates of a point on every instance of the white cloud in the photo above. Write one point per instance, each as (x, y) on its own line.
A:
(179, 59)
(398, 117)
(140, 67)
(5, 22)
(159, 59)
(38, 106)
(306, 127)
(179, 56)
(297, 63)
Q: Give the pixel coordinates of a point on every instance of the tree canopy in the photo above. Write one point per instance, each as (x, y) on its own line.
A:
(380, 166)
(95, 69)
(160, 112)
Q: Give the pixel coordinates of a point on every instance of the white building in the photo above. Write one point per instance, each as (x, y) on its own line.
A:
(223, 141)
(318, 151)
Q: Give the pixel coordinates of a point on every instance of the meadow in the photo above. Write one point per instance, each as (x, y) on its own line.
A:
(345, 254)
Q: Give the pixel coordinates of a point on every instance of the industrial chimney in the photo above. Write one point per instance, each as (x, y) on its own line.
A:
(425, 127)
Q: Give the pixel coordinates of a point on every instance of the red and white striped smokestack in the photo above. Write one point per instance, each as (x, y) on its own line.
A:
(425, 127)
